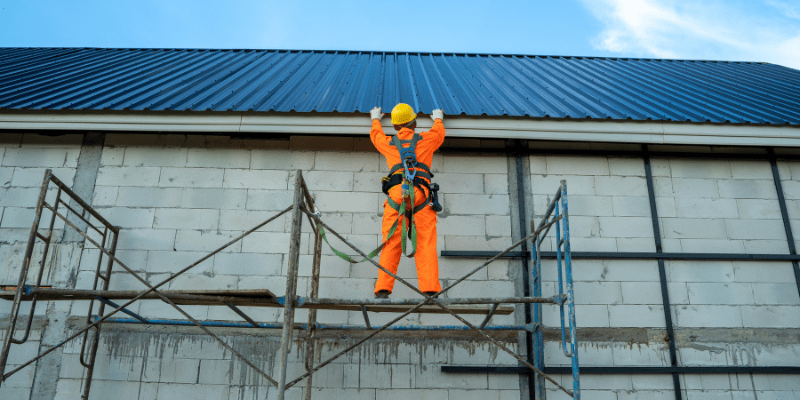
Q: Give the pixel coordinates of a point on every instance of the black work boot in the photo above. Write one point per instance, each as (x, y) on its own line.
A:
(431, 293)
(382, 294)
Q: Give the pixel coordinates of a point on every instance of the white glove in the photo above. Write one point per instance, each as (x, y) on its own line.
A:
(375, 113)
(437, 114)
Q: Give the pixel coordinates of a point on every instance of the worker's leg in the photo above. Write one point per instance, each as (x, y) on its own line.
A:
(426, 258)
(390, 255)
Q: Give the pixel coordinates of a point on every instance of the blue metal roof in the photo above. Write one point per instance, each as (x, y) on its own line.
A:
(348, 82)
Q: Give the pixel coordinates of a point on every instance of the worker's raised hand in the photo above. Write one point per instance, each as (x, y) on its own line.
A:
(437, 114)
(375, 113)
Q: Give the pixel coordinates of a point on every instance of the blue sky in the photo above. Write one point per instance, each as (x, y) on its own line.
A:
(746, 30)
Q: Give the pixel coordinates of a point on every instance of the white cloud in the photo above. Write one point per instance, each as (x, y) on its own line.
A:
(700, 29)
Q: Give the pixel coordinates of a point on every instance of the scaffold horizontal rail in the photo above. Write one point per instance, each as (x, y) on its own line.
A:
(265, 298)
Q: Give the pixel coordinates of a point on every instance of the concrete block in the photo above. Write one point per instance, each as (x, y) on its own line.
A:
(595, 316)
(248, 264)
(6, 175)
(32, 177)
(765, 246)
(146, 239)
(335, 181)
(173, 261)
(626, 166)
(475, 243)
(112, 156)
(641, 227)
(636, 316)
(654, 354)
(629, 207)
(192, 177)
(538, 164)
(347, 201)
(705, 271)
(215, 372)
(641, 293)
(652, 382)
(660, 167)
(741, 169)
(770, 316)
(708, 316)
(472, 225)
(266, 242)
(577, 165)
(273, 200)
(282, 159)
(755, 229)
(791, 189)
(102, 390)
(681, 228)
(218, 158)
(693, 188)
(635, 245)
(482, 289)
(598, 293)
(15, 217)
(214, 198)
(41, 157)
(586, 205)
(593, 244)
(689, 168)
(128, 176)
(129, 217)
(369, 181)
(166, 218)
(775, 294)
(357, 162)
(465, 183)
(18, 197)
(154, 157)
(418, 394)
(758, 209)
(241, 220)
(549, 184)
(712, 246)
(747, 189)
(104, 196)
(193, 280)
(498, 225)
(148, 197)
(720, 293)
(694, 207)
(763, 272)
(666, 207)
(475, 164)
(178, 391)
(206, 241)
(461, 204)
(494, 184)
(616, 185)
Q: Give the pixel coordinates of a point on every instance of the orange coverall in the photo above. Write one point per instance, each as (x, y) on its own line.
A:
(426, 257)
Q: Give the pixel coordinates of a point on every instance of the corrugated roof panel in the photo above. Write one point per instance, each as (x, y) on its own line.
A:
(348, 82)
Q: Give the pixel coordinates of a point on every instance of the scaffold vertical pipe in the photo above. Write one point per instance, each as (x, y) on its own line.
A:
(573, 335)
(312, 313)
(101, 311)
(23, 273)
(291, 284)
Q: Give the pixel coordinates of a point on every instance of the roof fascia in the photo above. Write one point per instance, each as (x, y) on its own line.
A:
(649, 132)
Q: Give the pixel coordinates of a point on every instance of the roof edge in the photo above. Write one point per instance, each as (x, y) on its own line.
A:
(644, 132)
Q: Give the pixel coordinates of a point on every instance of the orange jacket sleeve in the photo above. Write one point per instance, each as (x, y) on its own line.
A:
(437, 133)
(378, 138)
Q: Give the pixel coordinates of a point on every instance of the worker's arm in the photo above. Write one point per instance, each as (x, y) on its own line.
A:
(376, 135)
(437, 131)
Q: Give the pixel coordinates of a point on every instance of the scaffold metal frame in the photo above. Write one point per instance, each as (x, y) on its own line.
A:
(303, 203)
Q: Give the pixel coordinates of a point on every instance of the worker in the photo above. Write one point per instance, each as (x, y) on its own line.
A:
(420, 148)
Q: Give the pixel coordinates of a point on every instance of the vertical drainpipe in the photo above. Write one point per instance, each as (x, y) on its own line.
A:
(526, 287)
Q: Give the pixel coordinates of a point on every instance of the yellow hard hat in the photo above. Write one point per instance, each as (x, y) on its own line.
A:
(402, 113)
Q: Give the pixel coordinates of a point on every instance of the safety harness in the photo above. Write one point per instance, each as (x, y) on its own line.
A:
(413, 174)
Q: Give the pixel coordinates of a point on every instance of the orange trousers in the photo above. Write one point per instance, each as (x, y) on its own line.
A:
(425, 258)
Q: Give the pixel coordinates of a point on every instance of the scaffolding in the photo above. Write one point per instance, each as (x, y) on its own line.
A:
(105, 237)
